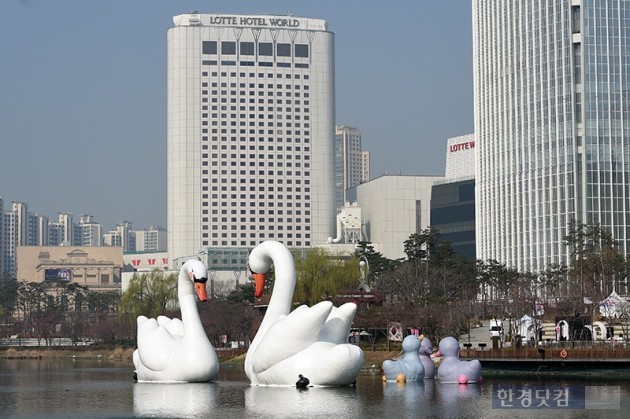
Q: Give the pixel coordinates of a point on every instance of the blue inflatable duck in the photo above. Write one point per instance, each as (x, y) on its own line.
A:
(426, 349)
(452, 369)
(407, 368)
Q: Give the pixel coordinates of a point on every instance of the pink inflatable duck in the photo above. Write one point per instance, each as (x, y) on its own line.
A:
(454, 370)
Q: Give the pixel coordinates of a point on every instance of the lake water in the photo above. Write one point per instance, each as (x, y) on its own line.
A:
(100, 389)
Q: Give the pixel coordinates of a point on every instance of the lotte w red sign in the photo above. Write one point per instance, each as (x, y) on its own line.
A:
(462, 146)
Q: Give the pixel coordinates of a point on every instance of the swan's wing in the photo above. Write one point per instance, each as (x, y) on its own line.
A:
(327, 364)
(155, 344)
(289, 335)
(163, 320)
(337, 326)
(174, 326)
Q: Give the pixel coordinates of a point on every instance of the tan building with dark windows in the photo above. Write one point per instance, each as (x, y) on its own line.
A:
(99, 268)
(250, 133)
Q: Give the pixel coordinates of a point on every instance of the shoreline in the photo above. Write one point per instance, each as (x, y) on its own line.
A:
(372, 359)
(117, 353)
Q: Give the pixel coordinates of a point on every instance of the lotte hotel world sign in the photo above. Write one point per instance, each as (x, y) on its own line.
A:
(251, 21)
(278, 22)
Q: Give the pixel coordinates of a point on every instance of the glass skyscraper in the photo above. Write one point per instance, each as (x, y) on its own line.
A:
(352, 164)
(552, 122)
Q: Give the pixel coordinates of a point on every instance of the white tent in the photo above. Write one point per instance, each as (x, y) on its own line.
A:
(613, 306)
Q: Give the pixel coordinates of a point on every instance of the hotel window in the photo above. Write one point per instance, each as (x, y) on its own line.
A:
(283, 50)
(301, 50)
(265, 48)
(209, 47)
(247, 48)
(228, 47)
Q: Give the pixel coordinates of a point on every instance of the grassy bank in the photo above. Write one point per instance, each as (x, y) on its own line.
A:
(373, 359)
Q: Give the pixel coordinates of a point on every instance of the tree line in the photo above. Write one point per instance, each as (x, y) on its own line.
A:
(432, 288)
(45, 310)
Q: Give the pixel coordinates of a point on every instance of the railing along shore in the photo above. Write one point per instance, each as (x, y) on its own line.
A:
(568, 350)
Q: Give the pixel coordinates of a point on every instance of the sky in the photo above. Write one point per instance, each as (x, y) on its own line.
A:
(83, 94)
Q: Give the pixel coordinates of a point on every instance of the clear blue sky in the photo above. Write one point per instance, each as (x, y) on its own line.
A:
(83, 94)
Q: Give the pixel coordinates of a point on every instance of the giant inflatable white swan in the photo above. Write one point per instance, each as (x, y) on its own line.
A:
(173, 350)
(309, 341)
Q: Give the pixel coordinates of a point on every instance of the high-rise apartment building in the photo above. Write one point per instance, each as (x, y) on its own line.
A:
(123, 236)
(20, 228)
(88, 232)
(43, 231)
(552, 122)
(20, 223)
(2, 241)
(64, 230)
(55, 234)
(153, 239)
(15, 232)
(352, 164)
(112, 238)
(250, 132)
(365, 166)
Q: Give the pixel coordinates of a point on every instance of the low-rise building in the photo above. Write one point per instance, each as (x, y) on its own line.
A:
(97, 267)
(393, 208)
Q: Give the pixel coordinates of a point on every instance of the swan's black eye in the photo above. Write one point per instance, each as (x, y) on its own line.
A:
(201, 280)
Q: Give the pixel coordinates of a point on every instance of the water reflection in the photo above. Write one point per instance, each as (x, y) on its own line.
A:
(406, 399)
(429, 397)
(80, 389)
(456, 393)
(462, 400)
(263, 402)
(174, 400)
(408, 394)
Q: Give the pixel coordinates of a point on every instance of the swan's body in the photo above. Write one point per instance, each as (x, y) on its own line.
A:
(426, 348)
(452, 369)
(409, 365)
(308, 341)
(173, 350)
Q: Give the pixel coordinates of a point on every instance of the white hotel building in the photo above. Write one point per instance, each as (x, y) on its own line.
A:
(251, 131)
(552, 122)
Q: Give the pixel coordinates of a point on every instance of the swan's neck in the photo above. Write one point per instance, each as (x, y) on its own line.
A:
(188, 305)
(261, 258)
(283, 288)
(284, 284)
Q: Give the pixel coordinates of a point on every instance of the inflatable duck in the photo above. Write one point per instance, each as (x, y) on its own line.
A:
(407, 368)
(312, 341)
(426, 349)
(452, 369)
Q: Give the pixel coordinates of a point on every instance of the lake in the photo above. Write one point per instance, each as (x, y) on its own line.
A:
(79, 388)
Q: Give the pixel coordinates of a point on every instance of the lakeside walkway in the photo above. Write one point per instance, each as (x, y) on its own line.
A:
(555, 352)
(557, 360)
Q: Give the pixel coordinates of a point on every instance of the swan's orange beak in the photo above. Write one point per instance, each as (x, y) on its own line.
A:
(200, 288)
(259, 282)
